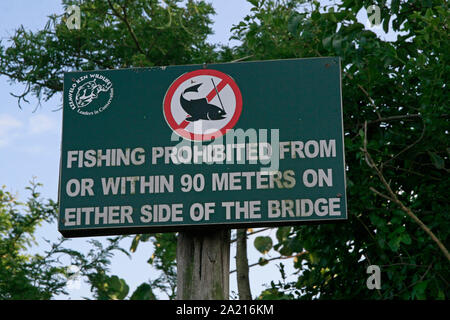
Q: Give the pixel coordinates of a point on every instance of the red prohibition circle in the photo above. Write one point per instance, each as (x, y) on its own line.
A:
(201, 137)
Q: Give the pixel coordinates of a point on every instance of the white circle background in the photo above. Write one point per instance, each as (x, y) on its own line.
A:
(203, 126)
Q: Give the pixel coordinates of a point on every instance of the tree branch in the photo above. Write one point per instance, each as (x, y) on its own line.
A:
(242, 267)
(380, 194)
(372, 102)
(252, 233)
(393, 197)
(276, 258)
(399, 117)
(418, 281)
(407, 147)
(46, 84)
(124, 19)
(414, 172)
(365, 227)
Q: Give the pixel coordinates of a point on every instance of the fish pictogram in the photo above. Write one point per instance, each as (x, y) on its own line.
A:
(200, 109)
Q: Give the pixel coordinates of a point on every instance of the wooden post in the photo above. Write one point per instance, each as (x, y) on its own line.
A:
(242, 270)
(203, 265)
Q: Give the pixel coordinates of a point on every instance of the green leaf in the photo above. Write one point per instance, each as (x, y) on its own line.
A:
(139, 238)
(283, 233)
(438, 162)
(337, 42)
(386, 23)
(285, 251)
(394, 243)
(326, 42)
(118, 288)
(135, 243)
(294, 21)
(143, 292)
(332, 17)
(419, 289)
(381, 242)
(315, 15)
(405, 238)
(394, 6)
(263, 244)
(314, 258)
(262, 261)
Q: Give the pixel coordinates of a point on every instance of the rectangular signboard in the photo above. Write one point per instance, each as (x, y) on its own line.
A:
(233, 144)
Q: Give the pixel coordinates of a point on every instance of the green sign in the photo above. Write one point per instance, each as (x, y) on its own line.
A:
(233, 144)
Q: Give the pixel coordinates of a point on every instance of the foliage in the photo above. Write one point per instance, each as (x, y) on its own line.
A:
(37, 276)
(395, 100)
(93, 266)
(263, 244)
(113, 34)
(26, 276)
(163, 259)
(397, 90)
(109, 287)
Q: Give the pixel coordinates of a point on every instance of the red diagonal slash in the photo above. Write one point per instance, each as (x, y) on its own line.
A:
(213, 93)
(209, 97)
